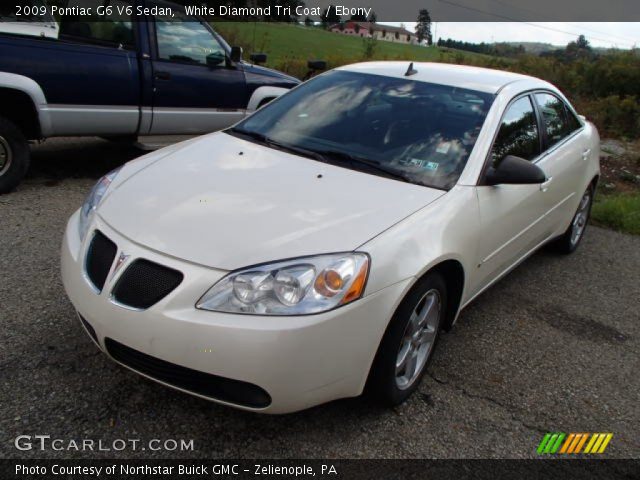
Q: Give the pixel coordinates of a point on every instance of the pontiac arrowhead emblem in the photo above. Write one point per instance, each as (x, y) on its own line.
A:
(121, 260)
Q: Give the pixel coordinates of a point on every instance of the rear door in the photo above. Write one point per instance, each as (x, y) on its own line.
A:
(195, 89)
(511, 215)
(562, 160)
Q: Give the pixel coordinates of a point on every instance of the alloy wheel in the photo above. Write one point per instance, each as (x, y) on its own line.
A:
(418, 339)
(580, 220)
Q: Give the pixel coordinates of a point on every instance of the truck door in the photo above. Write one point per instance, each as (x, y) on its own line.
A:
(195, 89)
(90, 75)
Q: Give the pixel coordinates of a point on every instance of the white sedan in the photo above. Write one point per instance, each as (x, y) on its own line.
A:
(318, 247)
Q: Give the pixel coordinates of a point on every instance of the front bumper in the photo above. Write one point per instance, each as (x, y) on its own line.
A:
(299, 361)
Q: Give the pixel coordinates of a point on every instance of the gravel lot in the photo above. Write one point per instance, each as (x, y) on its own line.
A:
(553, 347)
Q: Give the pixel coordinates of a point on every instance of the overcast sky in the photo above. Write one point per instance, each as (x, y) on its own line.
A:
(600, 34)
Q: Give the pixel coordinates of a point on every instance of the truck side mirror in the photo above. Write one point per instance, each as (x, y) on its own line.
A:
(317, 65)
(314, 66)
(236, 54)
(258, 58)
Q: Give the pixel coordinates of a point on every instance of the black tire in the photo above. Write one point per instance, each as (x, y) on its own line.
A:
(14, 155)
(383, 383)
(567, 244)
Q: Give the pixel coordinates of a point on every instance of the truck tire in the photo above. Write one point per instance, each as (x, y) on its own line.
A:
(14, 155)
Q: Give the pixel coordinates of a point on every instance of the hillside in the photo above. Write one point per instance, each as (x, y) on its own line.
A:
(289, 46)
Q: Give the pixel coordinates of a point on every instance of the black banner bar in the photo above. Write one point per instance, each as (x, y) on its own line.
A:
(381, 10)
(320, 469)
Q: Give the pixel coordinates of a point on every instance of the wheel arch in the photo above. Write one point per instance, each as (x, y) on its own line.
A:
(262, 94)
(453, 274)
(23, 102)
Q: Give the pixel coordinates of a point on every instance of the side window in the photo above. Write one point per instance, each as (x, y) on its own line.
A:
(111, 29)
(554, 115)
(572, 120)
(518, 134)
(184, 39)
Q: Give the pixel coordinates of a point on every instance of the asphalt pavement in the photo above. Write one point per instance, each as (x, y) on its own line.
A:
(553, 347)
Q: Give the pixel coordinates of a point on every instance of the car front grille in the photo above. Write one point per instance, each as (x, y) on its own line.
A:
(145, 283)
(212, 386)
(100, 256)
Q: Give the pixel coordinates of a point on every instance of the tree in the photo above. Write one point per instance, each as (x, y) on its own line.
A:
(359, 17)
(308, 22)
(578, 49)
(583, 43)
(373, 18)
(423, 27)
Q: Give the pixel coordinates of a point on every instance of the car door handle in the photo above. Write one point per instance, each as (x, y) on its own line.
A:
(586, 153)
(163, 76)
(544, 186)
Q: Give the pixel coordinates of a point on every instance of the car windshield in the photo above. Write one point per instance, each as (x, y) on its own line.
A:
(409, 130)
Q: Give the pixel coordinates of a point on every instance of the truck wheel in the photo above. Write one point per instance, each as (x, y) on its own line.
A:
(14, 155)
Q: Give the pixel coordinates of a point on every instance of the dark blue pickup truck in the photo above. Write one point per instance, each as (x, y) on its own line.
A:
(121, 77)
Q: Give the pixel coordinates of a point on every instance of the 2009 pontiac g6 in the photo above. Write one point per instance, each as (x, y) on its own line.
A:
(318, 247)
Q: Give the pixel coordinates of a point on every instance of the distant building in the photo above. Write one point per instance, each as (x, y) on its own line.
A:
(387, 33)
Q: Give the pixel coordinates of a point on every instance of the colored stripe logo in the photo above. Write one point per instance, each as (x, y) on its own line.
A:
(572, 443)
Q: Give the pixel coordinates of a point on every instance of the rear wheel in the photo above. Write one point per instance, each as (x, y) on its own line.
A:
(409, 342)
(572, 237)
(14, 155)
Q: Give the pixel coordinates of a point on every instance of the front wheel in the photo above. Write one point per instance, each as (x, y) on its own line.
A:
(14, 155)
(571, 238)
(409, 342)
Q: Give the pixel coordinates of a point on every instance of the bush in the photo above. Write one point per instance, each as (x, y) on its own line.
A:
(613, 115)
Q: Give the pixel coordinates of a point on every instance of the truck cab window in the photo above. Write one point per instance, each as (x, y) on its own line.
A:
(184, 39)
(112, 30)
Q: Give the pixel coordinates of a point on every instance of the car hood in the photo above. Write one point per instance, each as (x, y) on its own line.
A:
(269, 72)
(226, 203)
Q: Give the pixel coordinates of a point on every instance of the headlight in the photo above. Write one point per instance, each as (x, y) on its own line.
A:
(293, 287)
(93, 200)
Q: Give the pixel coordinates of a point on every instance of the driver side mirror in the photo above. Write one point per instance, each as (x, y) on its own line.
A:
(258, 58)
(236, 54)
(514, 170)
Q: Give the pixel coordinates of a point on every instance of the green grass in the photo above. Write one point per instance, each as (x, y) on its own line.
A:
(620, 212)
(289, 46)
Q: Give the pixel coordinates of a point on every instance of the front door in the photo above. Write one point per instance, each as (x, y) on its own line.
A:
(511, 216)
(195, 89)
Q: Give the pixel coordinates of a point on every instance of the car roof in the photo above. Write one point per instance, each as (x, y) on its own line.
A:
(462, 76)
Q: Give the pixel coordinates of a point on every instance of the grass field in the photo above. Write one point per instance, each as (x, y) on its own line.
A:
(620, 212)
(289, 46)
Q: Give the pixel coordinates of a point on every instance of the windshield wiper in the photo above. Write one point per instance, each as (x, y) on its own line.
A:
(262, 138)
(368, 163)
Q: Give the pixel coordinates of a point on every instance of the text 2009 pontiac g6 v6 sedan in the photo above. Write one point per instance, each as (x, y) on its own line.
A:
(319, 246)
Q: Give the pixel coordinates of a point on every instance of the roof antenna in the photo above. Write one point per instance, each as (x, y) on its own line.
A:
(410, 71)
